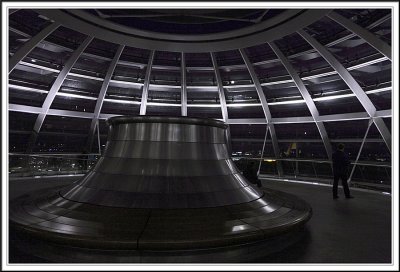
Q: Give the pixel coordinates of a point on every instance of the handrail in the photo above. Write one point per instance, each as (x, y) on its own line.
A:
(362, 163)
(366, 163)
(53, 154)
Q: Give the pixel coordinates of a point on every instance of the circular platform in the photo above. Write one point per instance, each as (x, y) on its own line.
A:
(60, 230)
(162, 184)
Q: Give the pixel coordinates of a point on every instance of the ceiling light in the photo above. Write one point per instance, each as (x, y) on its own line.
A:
(204, 105)
(367, 63)
(121, 101)
(22, 88)
(379, 90)
(236, 105)
(277, 82)
(76, 96)
(300, 101)
(162, 104)
(325, 98)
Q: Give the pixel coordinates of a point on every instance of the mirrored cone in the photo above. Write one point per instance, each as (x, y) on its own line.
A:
(161, 184)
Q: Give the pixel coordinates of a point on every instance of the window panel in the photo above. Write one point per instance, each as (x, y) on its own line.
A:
(246, 112)
(163, 111)
(208, 96)
(18, 142)
(121, 108)
(291, 110)
(21, 121)
(200, 112)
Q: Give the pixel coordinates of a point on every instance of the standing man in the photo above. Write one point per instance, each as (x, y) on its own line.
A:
(250, 173)
(341, 164)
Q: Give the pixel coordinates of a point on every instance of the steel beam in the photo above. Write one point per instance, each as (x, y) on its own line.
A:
(102, 94)
(264, 105)
(353, 85)
(11, 11)
(183, 86)
(237, 121)
(359, 151)
(30, 45)
(279, 26)
(262, 150)
(221, 92)
(53, 91)
(145, 92)
(369, 37)
(306, 96)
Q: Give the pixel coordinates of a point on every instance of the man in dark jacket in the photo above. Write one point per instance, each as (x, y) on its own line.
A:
(341, 164)
(250, 173)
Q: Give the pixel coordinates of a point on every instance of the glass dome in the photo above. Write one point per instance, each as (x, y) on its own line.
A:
(311, 78)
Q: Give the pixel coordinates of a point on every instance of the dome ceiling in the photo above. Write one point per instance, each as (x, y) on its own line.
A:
(186, 21)
(70, 69)
(218, 35)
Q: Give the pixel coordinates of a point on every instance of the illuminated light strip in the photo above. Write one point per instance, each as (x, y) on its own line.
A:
(361, 65)
(28, 89)
(379, 90)
(277, 82)
(367, 63)
(76, 96)
(165, 86)
(300, 101)
(120, 101)
(85, 76)
(39, 67)
(214, 88)
(239, 86)
(163, 104)
(326, 98)
(238, 105)
(319, 75)
(126, 82)
(204, 105)
(66, 89)
(352, 94)
(205, 87)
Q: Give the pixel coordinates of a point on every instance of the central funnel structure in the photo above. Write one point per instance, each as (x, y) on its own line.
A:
(168, 163)
(165, 185)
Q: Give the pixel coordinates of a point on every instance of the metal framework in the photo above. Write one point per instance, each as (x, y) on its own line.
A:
(183, 86)
(306, 96)
(264, 105)
(281, 26)
(262, 150)
(221, 92)
(145, 92)
(236, 121)
(140, 65)
(11, 11)
(369, 37)
(54, 90)
(353, 85)
(30, 45)
(359, 151)
(102, 94)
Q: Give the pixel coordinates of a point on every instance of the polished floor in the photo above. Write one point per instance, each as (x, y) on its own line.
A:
(340, 231)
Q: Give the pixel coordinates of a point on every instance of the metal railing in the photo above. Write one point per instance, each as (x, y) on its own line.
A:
(27, 165)
(367, 174)
(373, 175)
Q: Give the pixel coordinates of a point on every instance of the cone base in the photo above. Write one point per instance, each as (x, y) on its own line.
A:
(95, 233)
